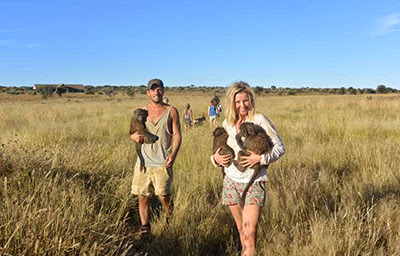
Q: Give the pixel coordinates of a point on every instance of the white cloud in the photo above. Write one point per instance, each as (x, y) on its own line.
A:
(387, 24)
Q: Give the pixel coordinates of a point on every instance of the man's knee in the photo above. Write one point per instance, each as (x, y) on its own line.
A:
(144, 199)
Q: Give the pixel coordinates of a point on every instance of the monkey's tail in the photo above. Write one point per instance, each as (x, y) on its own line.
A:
(141, 159)
(253, 178)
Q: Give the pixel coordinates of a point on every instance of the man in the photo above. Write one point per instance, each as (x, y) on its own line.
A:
(159, 157)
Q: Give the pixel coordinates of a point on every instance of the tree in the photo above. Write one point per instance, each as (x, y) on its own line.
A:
(257, 90)
(381, 89)
(109, 92)
(60, 89)
(130, 92)
(46, 91)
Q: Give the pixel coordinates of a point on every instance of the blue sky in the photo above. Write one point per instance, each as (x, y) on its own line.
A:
(282, 43)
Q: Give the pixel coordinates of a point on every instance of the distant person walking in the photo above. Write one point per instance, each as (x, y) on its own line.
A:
(240, 107)
(213, 113)
(187, 117)
(163, 121)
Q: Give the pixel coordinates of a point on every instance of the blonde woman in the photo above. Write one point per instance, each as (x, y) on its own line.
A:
(240, 108)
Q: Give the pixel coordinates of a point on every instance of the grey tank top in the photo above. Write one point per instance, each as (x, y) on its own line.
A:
(154, 154)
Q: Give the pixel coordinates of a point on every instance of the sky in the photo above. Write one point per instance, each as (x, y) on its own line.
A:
(321, 44)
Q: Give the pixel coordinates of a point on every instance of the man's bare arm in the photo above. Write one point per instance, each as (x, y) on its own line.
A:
(176, 137)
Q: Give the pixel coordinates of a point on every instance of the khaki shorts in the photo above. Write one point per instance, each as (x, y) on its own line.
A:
(232, 191)
(156, 180)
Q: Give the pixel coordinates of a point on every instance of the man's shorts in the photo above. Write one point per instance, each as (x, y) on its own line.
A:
(232, 190)
(156, 180)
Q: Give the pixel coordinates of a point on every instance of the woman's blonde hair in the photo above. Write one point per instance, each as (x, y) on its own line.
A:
(238, 87)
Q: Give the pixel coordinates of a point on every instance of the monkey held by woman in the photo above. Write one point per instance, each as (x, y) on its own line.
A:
(220, 141)
(255, 140)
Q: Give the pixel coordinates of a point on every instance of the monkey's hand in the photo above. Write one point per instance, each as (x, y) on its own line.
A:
(222, 160)
(136, 137)
(251, 160)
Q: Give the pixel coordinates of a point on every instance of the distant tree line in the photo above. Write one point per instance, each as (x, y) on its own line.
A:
(130, 90)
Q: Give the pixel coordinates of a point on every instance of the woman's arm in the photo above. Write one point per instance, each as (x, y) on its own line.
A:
(278, 149)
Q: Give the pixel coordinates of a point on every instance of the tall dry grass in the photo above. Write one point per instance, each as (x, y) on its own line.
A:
(66, 167)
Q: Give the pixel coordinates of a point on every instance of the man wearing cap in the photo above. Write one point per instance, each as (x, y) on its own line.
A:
(163, 121)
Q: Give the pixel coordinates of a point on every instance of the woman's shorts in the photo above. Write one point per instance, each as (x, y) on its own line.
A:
(187, 122)
(212, 118)
(232, 190)
(156, 180)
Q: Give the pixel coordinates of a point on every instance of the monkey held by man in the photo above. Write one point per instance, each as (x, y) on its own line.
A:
(220, 141)
(255, 140)
(138, 124)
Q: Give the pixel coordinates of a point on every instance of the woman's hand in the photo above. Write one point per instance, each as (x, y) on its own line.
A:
(251, 160)
(222, 160)
(136, 137)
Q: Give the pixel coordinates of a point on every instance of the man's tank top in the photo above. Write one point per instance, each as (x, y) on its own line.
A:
(154, 154)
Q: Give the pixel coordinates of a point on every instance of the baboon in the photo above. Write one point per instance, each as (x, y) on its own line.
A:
(138, 124)
(220, 141)
(255, 140)
(199, 121)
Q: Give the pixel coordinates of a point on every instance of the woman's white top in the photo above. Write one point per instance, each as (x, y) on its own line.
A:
(277, 151)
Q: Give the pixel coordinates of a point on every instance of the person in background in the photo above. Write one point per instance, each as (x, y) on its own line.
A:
(187, 117)
(163, 121)
(212, 113)
(240, 108)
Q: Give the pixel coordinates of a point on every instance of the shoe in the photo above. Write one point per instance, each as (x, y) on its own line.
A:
(141, 238)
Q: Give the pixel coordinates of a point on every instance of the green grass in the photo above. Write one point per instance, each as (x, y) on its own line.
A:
(66, 168)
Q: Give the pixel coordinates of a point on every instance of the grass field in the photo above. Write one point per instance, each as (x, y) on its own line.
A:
(66, 165)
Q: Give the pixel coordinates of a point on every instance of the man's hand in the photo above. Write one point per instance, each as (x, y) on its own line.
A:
(169, 161)
(136, 137)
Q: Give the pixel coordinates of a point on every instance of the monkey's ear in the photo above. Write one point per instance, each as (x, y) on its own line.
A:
(136, 113)
(258, 129)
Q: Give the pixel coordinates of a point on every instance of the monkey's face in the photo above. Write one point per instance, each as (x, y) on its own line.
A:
(247, 129)
(141, 114)
(218, 131)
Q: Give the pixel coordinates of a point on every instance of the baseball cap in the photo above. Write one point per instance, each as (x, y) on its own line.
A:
(155, 82)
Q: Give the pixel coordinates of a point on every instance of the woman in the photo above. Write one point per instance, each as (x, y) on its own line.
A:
(187, 116)
(213, 112)
(240, 107)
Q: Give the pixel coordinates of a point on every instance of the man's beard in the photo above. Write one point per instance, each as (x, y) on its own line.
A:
(157, 99)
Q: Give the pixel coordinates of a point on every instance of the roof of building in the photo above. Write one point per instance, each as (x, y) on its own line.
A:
(74, 86)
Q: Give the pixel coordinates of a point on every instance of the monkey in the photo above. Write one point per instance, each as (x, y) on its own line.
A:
(138, 124)
(255, 140)
(199, 121)
(220, 141)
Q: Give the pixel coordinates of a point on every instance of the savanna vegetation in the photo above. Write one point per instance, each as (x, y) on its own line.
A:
(66, 164)
(131, 90)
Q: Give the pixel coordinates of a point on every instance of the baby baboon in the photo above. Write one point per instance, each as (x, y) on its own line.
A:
(138, 124)
(255, 140)
(220, 141)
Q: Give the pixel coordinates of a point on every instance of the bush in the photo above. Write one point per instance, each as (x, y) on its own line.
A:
(46, 91)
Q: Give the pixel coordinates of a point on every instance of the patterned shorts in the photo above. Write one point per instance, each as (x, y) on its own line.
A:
(232, 190)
